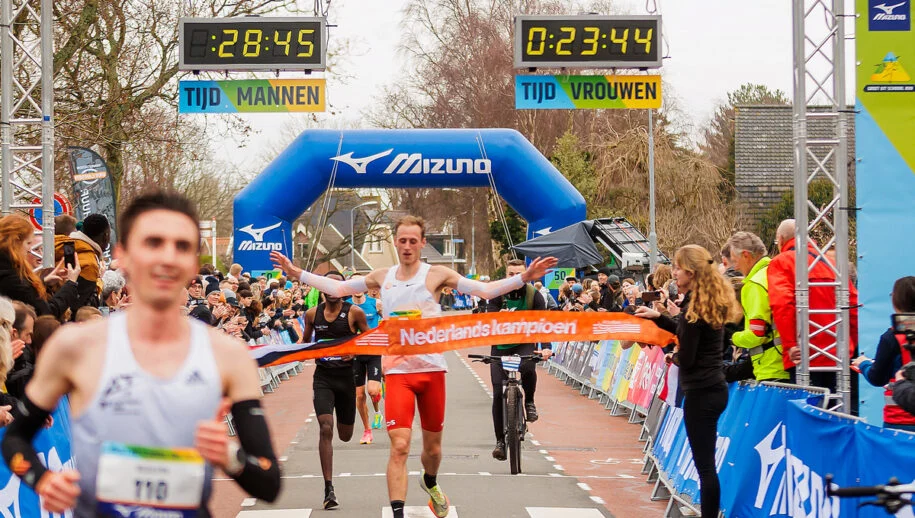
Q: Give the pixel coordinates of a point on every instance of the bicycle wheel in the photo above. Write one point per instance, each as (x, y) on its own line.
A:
(513, 427)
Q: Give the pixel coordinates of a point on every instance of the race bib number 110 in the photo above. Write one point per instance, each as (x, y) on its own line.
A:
(141, 481)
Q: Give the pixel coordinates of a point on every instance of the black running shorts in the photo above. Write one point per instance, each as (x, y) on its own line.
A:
(366, 366)
(334, 391)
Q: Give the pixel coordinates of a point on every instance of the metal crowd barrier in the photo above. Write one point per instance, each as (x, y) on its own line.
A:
(572, 363)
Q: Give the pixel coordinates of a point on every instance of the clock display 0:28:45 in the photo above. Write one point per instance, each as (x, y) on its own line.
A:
(253, 44)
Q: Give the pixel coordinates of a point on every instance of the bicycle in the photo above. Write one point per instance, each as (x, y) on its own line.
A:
(514, 417)
(889, 496)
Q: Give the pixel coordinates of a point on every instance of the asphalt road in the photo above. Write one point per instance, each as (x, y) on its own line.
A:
(477, 485)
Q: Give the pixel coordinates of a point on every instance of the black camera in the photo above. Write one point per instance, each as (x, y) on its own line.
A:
(904, 324)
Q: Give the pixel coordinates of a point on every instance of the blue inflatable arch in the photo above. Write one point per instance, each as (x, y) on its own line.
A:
(526, 180)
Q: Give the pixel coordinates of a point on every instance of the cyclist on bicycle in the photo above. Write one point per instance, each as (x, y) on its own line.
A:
(524, 298)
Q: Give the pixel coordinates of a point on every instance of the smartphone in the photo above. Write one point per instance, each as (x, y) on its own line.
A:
(651, 296)
(69, 255)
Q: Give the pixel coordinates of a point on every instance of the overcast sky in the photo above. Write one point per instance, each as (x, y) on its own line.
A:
(714, 46)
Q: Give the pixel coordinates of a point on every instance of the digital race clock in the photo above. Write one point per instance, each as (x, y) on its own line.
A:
(588, 41)
(289, 43)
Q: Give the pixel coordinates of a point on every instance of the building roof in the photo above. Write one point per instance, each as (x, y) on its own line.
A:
(764, 153)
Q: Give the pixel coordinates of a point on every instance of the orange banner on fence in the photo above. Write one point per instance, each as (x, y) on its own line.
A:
(401, 336)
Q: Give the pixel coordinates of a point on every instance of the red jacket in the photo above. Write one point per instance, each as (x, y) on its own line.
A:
(784, 308)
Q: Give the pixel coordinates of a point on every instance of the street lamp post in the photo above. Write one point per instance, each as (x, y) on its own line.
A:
(352, 233)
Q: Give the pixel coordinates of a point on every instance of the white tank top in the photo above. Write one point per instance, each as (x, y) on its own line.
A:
(405, 295)
(134, 407)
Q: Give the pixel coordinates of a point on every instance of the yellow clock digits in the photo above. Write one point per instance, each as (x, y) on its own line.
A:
(233, 34)
(252, 46)
(622, 41)
(303, 41)
(595, 33)
(282, 42)
(646, 40)
(559, 50)
(530, 41)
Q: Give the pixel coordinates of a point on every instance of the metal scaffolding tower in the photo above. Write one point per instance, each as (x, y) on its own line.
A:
(819, 79)
(27, 112)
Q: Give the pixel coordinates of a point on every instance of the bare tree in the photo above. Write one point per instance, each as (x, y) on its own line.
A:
(115, 75)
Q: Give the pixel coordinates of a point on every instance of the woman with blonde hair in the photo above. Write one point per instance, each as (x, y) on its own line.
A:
(20, 254)
(708, 305)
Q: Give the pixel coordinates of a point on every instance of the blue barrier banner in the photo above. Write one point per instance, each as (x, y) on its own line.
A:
(819, 443)
(882, 453)
(756, 454)
(53, 446)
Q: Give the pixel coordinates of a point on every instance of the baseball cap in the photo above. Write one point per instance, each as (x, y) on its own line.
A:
(605, 270)
(232, 301)
(571, 278)
(613, 280)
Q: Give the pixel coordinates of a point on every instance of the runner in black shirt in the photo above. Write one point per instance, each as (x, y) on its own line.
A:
(334, 385)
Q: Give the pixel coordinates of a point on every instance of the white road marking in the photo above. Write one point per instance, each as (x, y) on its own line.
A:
(416, 511)
(345, 474)
(535, 443)
(544, 452)
(584, 487)
(558, 467)
(551, 459)
(275, 513)
(248, 502)
(476, 474)
(284, 459)
(563, 512)
(598, 500)
(308, 420)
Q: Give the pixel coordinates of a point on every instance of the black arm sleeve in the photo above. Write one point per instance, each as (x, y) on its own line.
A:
(260, 477)
(18, 452)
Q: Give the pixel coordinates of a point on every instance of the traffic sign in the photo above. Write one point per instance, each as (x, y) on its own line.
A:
(61, 206)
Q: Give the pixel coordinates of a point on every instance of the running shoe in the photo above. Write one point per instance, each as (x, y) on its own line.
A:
(438, 502)
(378, 422)
(366, 437)
(330, 498)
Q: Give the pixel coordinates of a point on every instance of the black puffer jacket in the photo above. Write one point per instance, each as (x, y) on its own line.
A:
(16, 288)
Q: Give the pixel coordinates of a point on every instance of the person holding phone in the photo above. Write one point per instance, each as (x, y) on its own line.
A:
(891, 356)
(709, 304)
(20, 255)
(86, 246)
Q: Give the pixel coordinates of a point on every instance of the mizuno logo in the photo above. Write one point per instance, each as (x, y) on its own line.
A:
(258, 233)
(253, 246)
(888, 10)
(416, 163)
(359, 164)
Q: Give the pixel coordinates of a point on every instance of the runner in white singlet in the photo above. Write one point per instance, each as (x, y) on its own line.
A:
(416, 381)
(148, 390)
